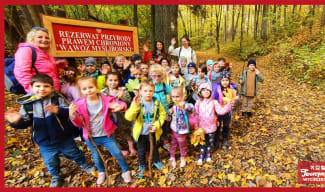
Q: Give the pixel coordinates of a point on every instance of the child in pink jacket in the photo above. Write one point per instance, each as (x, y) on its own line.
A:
(96, 110)
(206, 110)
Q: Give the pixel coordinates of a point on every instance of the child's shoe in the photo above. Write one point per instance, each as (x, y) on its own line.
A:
(208, 157)
(141, 169)
(55, 181)
(166, 146)
(101, 178)
(183, 162)
(87, 168)
(225, 142)
(158, 165)
(126, 177)
(173, 160)
(200, 161)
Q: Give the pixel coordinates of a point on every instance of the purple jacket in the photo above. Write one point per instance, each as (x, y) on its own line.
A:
(217, 93)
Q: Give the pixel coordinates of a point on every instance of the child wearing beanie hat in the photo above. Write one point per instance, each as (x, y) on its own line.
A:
(248, 91)
(91, 67)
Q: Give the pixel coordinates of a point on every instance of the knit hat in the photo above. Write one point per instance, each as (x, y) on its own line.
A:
(191, 65)
(105, 62)
(90, 61)
(252, 61)
(205, 86)
(135, 57)
(225, 74)
(209, 62)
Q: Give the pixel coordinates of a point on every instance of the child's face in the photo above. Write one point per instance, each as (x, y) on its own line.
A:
(106, 67)
(251, 67)
(88, 88)
(112, 82)
(145, 69)
(175, 69)
(119, 62)
(156, 77)
(200, 73)
(164, 63)
(177, 96)
(137, 74)
(147, 92)
(221, 63)
(137, 62)
(41, 89)
(191, 70)
(225, 82)
(183, 63)
(91, 68)
(216, 68)
(151, 62)
(205, 93)
(132, 69)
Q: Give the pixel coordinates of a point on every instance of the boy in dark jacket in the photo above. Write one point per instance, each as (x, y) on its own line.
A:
(248, 91)
(52, 130)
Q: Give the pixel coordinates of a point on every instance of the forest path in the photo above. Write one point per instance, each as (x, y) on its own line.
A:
(287, 126)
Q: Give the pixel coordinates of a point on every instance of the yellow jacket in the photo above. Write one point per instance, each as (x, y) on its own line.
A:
(135, 113)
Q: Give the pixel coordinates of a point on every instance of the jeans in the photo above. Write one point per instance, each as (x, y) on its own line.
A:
(51, 158)
(143, 146)
(110, 144)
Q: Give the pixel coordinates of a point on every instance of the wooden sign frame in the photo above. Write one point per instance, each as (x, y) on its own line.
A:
(49, 20)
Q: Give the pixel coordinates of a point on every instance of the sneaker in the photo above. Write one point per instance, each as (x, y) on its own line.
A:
(183, 162)
(173, 160)
(208, 157)
(55, 181)
(200, 161)
(158, 165)
(126, 177)
(166, 146)
(141, 169)
(87, 168)
(101, 178)
(225, 142)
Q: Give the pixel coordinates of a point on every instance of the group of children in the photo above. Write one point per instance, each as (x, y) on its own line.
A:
(133, 99)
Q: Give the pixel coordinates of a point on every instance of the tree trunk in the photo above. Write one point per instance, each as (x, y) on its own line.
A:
(190, 22)
(225, 24)
(294, 9)
(285, 15)
(322, 24)
(264, 22)
(135, 15)
(241, 27)
(256, 20)
(312, 13)
(274, 16)
(153, 23)
(233, 23)
(166, 27)
(86, 11)
(180, 14)
(218, 24)
(35, 11)
(27, 16)
(248, 20)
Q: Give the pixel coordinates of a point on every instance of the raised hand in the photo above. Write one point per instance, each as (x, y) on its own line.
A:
(115, 107)
(82, 68)
(257, 71)
(51, 108)
(136, 100)
(13, 116)
(170, 111)
(145, 48)
(72, 110)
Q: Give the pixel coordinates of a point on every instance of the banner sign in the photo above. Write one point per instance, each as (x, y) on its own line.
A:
(76, 38)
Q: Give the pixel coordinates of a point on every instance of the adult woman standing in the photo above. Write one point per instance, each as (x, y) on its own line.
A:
(157, 54)
(37, 38)
(185, 50)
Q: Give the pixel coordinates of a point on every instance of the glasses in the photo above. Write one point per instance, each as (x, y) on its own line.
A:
(41, 28)
(155, 76)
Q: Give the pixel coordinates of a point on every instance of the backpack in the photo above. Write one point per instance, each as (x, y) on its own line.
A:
(11, 82)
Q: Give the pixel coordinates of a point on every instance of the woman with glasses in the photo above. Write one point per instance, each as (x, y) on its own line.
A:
(36, 48)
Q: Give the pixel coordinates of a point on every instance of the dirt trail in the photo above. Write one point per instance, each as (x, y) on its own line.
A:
(287, 126)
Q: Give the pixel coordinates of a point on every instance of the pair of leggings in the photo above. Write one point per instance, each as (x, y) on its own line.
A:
(208, 143)
(178, 140)
(224, 121)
